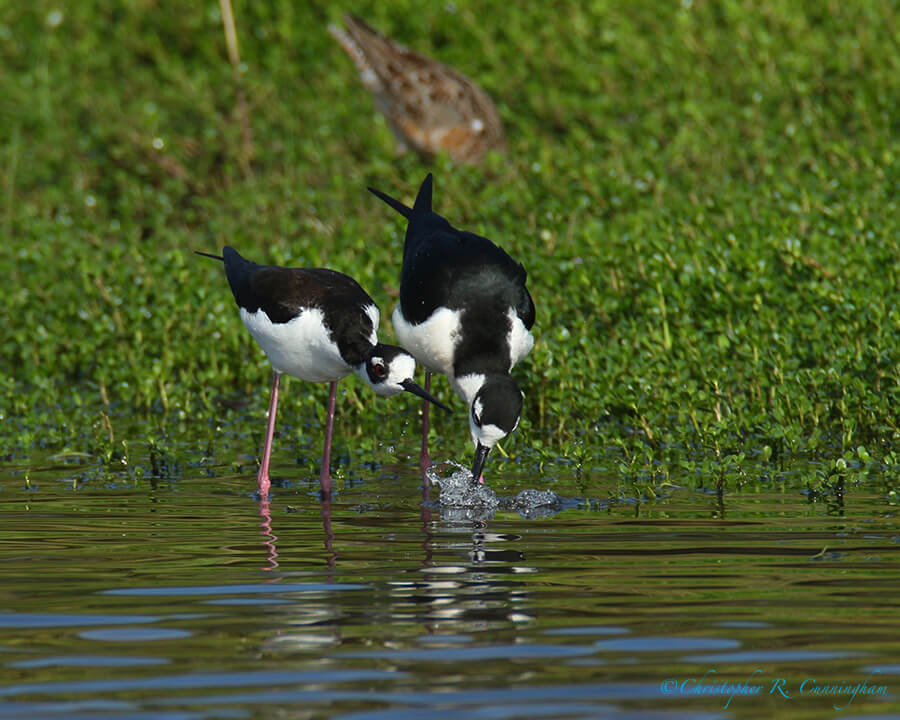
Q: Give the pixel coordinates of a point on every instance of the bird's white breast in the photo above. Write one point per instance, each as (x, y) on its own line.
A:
(301, 348)
(375, 316)
(431, 342)
(520, 339)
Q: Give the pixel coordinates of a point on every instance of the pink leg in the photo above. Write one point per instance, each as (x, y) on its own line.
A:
(424, 457)
(325, 475)
(263, 477)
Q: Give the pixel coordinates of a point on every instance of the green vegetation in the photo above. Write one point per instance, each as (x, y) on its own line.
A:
(705, 195)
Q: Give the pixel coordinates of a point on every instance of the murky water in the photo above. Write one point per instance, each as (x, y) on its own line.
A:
(188, 599)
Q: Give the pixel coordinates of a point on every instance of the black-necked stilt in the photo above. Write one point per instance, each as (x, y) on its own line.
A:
(318, 325)
(464, 311)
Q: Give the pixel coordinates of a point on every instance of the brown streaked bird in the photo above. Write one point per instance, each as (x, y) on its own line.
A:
(429, 106)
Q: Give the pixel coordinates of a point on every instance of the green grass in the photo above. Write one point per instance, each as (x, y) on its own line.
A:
(704, 195)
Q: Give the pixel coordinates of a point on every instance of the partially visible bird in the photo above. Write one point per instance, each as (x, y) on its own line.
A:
(318, 325)
(464, 311)
(429, 106)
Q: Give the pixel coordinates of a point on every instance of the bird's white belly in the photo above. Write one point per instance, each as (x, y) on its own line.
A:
(301, 348)
(432, 342)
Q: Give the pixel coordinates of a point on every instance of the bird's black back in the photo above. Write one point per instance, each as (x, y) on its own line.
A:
(443, 266)
(283, 293)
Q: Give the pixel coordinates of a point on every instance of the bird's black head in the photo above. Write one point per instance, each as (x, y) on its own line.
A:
(389, 370)
(493, 415)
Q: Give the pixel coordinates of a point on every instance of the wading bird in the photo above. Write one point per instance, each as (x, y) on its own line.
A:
(317, 325)
(464, 311)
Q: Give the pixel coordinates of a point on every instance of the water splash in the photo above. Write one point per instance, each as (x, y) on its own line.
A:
(534, 503)
(461, 499)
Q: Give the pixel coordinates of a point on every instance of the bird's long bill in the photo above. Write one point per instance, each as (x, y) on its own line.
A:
(410, 386)
(481, 453)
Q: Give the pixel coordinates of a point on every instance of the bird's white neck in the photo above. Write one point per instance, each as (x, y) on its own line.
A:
(467, 386)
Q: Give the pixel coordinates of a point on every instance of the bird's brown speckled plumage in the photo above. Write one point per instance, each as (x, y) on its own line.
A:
(429, 106)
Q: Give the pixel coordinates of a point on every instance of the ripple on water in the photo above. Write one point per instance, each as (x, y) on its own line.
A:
(592, 630)
(378, 607)
(663, 643)
(141, 634)
(772, 656)
(490, 652)
(262, 588)
(50, 620)
(89, 661)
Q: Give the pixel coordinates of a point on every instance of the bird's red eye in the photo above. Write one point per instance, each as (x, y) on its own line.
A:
(380, 370)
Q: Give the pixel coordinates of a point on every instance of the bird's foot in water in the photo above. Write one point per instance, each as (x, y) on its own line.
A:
(425, 463)
(263, 486)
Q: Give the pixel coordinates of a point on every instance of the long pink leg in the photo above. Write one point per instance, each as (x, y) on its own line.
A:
(424, 457)
(263, 477)
(325, 475)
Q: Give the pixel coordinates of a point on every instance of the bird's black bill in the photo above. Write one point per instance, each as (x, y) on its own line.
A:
(410, 386)
(481, 453)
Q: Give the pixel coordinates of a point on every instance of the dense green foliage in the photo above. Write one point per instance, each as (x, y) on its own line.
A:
(704, 195)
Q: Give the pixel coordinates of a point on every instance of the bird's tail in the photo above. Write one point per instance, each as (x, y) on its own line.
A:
(422, 204)
(238, 271)
(209, 255)
(396, 204)
(423, 199)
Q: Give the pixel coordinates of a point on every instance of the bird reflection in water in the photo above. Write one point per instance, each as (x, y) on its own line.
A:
(270, 539)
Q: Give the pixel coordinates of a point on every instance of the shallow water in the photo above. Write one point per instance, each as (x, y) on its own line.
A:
(189, 599)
